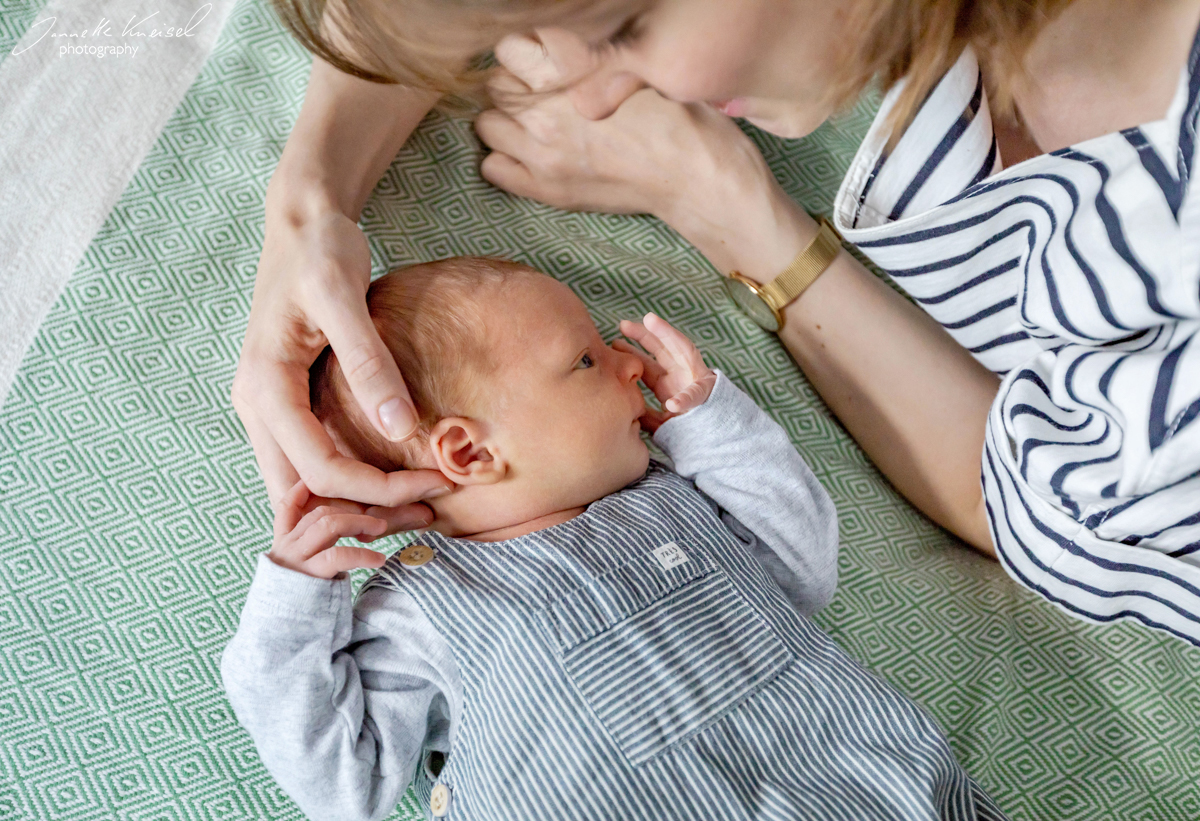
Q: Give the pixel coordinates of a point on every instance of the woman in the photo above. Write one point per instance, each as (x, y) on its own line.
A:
(1065, 369)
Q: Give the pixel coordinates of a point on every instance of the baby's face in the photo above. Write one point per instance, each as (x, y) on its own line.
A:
(566, 406)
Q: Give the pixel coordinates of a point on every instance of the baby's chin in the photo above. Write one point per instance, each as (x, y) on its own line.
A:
(639, 463)
(629, 462)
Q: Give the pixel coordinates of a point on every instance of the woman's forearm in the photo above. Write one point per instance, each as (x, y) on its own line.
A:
(348, 132)
(914, 400)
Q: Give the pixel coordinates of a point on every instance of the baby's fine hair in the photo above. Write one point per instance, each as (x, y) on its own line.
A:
(432, 317)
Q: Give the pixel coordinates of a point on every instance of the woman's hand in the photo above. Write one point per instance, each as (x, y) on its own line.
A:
(688, 165)
(636, 161)
(651, 156)
(307, 530)
(674, 370)
(311, 291)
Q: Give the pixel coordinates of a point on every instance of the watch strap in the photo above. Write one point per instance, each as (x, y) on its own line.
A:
(804, 269)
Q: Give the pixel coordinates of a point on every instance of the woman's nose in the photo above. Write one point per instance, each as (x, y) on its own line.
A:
(597, 83)
(601, 93)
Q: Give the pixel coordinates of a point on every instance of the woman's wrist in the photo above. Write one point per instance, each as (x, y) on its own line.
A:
(757, 233)
(298, 198)
(346, 136)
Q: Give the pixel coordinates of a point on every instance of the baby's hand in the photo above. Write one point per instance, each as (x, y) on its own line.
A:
(676, 373)
(308, 527)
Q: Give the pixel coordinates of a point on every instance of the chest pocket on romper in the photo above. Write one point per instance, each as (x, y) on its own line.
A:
(660, 648)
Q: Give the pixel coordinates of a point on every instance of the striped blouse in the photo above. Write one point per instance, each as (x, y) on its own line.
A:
(1075, 276)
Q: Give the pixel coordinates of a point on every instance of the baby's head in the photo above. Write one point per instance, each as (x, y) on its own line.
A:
(521, 403)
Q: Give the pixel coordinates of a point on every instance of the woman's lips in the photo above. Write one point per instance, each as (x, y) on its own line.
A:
(731, 108)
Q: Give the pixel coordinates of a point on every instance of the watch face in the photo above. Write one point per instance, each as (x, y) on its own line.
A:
(752, 305)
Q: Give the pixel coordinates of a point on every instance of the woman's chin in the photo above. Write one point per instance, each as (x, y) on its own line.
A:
(783, 119)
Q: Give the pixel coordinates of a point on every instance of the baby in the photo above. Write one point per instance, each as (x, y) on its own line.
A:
(581, 633)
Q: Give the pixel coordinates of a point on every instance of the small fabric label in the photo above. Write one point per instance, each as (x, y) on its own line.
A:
(670, 555)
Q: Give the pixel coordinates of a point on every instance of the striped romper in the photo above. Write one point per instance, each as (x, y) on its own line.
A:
(642, 660)
(1075, 276)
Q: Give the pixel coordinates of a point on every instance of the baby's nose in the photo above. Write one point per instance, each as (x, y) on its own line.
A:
(631, 368)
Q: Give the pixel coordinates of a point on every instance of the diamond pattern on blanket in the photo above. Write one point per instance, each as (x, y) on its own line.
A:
(131, 511)
(16, 16)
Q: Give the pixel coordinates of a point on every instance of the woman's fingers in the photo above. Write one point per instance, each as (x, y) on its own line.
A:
(506, 85)
(508, 141)
(402, 517)
(334, 476)
(342, 316)
(508, 174)
(311, 288)
(398, 518)
(529, 62)
(276, 469)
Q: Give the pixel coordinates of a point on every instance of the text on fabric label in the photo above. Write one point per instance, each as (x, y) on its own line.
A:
(670, 555)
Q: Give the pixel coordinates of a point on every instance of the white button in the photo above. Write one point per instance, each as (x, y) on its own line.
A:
(416, 555)
(439, 800)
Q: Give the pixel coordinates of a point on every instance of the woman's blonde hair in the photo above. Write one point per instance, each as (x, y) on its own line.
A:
(439, 44)
(922, 39)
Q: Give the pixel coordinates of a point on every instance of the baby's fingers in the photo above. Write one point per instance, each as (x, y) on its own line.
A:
(651, 370)
(318, 533)
(325, 532)
(653, 419)
(291, 509)
(693, 396)
(640, 334)
(341, 559)
(680, 348)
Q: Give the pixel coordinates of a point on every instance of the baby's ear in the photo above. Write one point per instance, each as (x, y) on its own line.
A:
(461, 450)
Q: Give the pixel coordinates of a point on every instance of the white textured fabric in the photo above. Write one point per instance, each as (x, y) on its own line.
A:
(1074, 275)
(74, 126)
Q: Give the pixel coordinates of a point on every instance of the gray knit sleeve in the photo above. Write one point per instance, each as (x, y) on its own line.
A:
(342, 703)
(742, 460)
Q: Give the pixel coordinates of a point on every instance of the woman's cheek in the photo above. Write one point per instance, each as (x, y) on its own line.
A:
(688, 75)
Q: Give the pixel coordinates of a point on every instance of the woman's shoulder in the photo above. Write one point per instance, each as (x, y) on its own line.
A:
(952, 150)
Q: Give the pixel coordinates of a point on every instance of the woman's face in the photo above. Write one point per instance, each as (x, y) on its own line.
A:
(770, 61)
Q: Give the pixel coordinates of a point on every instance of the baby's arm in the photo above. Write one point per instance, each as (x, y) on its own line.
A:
(742, 460)
(342, 703)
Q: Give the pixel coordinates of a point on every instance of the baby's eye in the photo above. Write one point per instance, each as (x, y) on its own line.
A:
(585, 361)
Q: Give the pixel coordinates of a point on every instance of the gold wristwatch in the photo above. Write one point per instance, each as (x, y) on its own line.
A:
(765, 303)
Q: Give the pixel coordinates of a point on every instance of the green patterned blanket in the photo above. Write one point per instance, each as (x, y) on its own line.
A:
(131, 510)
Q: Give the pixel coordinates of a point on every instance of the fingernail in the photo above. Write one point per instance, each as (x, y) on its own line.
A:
(437, 492)
(398, 420)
